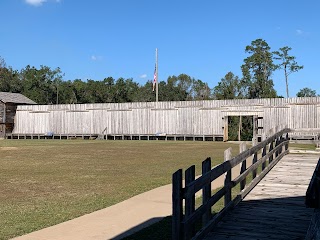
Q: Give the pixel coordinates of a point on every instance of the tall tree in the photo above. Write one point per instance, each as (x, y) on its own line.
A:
(9, 78)
(288, 64)
(145, 93)
(257, 70)
(228, 88)
(66, 93)
(109, 89)
(40, 85)
(306, 92)
(200, 90)
(177, 88)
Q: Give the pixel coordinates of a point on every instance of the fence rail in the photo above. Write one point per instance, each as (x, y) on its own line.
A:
(265, 154)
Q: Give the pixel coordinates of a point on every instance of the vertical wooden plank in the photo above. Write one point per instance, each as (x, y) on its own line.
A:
(264, 151)
(177, 207)
(225, 129)
(189, 231)
(227, 180)
(255, 130)
(243, 147)
(281, 139)
(270, 149)
(254, 160)
(206, 191)
(276, 146)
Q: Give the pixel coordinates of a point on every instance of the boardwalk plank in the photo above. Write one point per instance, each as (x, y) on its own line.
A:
(275, 208)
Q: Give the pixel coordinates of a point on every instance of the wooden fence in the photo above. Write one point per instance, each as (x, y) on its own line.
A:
(194, 118)
(185, 217)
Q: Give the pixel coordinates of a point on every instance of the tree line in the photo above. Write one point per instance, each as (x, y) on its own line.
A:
(46, 86)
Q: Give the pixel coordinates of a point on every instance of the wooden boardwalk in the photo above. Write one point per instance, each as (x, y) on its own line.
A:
(275, 208)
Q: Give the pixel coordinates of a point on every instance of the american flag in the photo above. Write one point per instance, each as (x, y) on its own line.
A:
(154, 78)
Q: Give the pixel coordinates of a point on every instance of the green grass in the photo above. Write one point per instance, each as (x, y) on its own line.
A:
(45, 182)
(302, 146)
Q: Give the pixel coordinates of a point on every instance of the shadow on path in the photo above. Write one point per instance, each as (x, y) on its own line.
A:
(155, 228)
(277, 218)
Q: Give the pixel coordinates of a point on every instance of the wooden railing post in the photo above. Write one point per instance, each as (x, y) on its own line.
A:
(277, 143)
(189, 231)
(243, 147)
(254, 160)
(177, 205)
(272, 131)
(264, 151)
(278, 140)
(206, 191)
(282, 139)
(287, 144)
(227, 181)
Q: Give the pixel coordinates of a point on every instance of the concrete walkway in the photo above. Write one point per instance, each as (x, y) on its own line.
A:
(114, 222)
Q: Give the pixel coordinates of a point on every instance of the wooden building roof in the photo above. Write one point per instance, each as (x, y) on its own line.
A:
(8, 97)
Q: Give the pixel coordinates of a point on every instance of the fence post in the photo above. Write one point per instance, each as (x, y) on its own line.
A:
(270, 149)
(227, 180)
(264, 151)
(254, 160)
(206, 191)
(282, 139)
(189, 231)
(272, 132)
(277, 144)
(177, 207)
(243, 147)
(287, 144)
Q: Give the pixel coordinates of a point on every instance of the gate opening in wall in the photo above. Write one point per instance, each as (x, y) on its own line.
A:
(241, 128)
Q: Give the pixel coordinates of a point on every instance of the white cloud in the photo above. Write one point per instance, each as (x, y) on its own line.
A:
(143, 76)
(96, 58)
(35, 2)
(299, 32)
(38, 3)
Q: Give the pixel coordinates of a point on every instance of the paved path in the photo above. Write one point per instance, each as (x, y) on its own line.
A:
(117, 220)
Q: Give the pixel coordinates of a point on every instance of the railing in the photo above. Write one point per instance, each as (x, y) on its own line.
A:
(185, 217)
(313, 201)
(313, 192)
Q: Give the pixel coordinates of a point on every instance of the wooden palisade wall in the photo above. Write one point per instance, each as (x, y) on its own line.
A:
(187, 117)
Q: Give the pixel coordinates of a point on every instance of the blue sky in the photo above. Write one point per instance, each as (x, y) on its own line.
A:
(204, 39)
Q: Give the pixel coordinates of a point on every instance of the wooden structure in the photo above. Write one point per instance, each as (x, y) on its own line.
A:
(313, 192)
(313, 201)
(273, 210)
(272, 150)
(8, 106)
(187, 120)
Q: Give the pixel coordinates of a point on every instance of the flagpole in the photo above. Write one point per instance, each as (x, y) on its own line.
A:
(157, 89)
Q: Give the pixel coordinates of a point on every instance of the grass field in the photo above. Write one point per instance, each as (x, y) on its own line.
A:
(43, 183)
